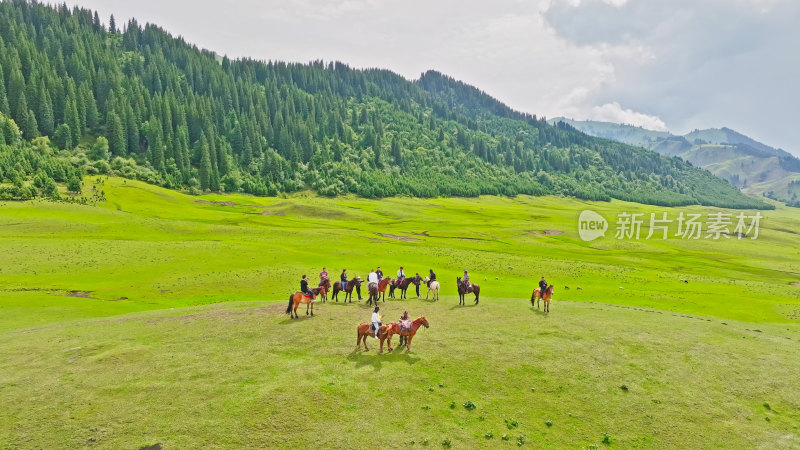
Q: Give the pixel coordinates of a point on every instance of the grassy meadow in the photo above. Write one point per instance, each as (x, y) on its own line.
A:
(158, 318)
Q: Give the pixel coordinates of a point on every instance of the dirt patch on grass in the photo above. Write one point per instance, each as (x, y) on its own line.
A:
(272, 213)
(795, 283)
(424, 233)
(399, 238)
(79, 294)
(546, 232)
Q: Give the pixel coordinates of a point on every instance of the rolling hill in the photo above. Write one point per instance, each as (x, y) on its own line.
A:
(138, 102)
(756, 168)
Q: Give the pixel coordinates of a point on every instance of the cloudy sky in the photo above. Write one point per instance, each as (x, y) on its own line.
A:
(661, 64)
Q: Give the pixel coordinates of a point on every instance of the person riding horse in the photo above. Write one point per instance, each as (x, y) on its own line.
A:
(343, 278)
(542, 286)
(401, 275)
(376, 321)
(432, 276)
(465, 279)
(380, 273)
(304, 287)
(323, 276)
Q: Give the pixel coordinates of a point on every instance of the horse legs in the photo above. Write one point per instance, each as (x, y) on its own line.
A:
(477, 297)
(408, 342)
(312, 309)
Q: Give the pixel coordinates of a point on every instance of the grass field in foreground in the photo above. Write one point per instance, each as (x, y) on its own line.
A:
(244, 375)
(158, 317)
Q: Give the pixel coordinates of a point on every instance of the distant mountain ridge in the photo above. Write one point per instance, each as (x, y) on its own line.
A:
(754, 167)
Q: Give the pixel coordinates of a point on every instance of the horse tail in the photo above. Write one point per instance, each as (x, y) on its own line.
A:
(289, 308)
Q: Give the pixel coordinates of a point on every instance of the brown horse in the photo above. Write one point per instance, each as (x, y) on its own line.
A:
(348, 289)
(324, 287)
(464, 289)
(297, 298)
(382, 285)
(394, 328)
(538, 296)
(364, 331)
(403, 286)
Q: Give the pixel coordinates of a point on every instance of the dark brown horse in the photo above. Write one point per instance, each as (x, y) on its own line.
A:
(403, 286)
(375, 291)
(348, 289)
(297, 298)
(364, 331)
(466, 288)
(394, 328)
(324, 287)
(546, 297)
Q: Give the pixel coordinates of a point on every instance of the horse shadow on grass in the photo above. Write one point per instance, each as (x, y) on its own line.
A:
(539, 312)
(468, 305)
(371, 358)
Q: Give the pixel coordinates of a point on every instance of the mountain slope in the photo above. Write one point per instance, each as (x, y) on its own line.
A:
(184, 118)
(756, 168)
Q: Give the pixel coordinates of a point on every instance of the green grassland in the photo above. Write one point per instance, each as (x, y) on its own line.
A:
(158, 317)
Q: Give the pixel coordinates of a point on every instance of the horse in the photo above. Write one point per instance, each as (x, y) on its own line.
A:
(382, 285)
(299, 297)
(372, 290)
(464, 289)
(403, 285)
(325, 286)
(348, 289)
(394, 328)
(538, 296)
(432, 286)
(363, 331)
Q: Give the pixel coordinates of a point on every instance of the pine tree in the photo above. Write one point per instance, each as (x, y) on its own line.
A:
(115, 134)
(16, 90)
(112, 25)
(62, 138)
(205, 166)
(397, 154)
(71, 117)
(45, 119)
(4, 108)
(30, 129)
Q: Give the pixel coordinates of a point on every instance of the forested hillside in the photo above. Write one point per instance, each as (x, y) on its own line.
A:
(136, 101)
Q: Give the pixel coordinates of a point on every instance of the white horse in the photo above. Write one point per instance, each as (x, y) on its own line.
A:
(432, 286)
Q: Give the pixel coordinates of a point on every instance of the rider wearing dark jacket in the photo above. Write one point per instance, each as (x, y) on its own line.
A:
(380, 273)
(542, 286)
(304, 287)
(432, 276)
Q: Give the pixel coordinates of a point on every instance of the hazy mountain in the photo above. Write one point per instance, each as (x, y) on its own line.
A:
(755, 167)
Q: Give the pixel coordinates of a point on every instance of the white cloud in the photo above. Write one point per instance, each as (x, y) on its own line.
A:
(614, 112)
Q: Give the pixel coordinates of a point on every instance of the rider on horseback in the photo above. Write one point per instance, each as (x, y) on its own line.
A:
(380, 273)
(343, 279)
(542, 286)
(405, 322)
(323, 276)
(465, 280)
(372, 278)
(432, 276)
(400, 275)
(304, 287)
(376, 321)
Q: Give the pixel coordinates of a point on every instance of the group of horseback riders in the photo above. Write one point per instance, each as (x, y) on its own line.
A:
(375, 276)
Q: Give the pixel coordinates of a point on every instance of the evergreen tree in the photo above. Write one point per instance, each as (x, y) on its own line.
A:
(4, 107)
(30, 129)
(45, 119)
(397, 154)
(99, 149)
(112, 25)
(63, 137)
(115, 134)
(205, 166)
